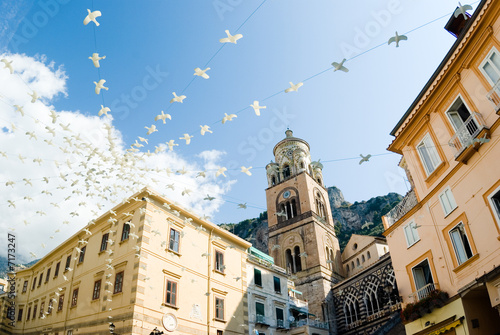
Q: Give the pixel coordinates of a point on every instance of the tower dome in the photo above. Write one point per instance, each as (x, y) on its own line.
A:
(292, 157)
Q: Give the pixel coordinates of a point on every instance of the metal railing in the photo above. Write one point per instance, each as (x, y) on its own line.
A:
(423, 292)
(466, 134)
(494, 96)
(297, 302)
(261, 319)
(309, 322)
(280, 324)
(405, 205)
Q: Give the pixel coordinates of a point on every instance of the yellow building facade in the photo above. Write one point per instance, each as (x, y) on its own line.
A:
(145, 264)
(444, 236)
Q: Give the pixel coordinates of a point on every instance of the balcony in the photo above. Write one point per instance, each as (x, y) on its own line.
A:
(310, 323)
(261, 320)
(494, 96)
(280, 324)
(469, 137)
(409, 201)
(423, 292)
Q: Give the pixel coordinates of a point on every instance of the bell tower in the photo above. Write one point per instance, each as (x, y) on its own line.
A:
(301, 235)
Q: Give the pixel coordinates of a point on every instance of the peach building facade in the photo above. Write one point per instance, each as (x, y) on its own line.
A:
(445, 233)
(146, 264)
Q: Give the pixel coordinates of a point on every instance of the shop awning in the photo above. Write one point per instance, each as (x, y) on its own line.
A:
(295, 291)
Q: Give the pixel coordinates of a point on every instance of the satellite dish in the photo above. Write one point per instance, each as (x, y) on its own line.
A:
(291, 318)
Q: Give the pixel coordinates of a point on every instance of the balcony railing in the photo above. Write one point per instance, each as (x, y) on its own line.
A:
(423, 292)
(280, 324)
(467, 133)
(494, 96)
(404, 206)
(261, 319)
(309, 322)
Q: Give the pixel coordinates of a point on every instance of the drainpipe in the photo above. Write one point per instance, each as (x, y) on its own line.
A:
(209, 269)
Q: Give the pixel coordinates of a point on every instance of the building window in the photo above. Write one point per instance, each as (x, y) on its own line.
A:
(491, 67)
(60, 303)
(97, 290)
(40, 279)
(125, 231)
(50, 306)
(362, 258)
(259, 309)
(118, 283)
(28, 314)
(42, 307)
(34, 283)
(411, 234)
(47, 276)
(286, 171)
(25, 286)
(428, 154)
(298, 262)
(257, 277)
(34, 311)
(56, 272)
(171, 297)
(494, 199)
(422, 277)
(220, 332)
(320, 206)
(460, 243)
(104, 242)
(347, 267)
(357, 262)
(82, 255)
(74, 297)
(371, 298)
(68, 263)
(352, 265)
(447, 201)
(20, 314)
(280, 318)
(219, 308)
(368, 256)
(219, 261)
(277, 284)
(351, 309)
(173, 243)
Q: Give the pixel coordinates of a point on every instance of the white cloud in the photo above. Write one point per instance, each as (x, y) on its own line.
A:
(90, 157)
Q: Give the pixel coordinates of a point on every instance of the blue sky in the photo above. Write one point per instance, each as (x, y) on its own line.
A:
(152, 48)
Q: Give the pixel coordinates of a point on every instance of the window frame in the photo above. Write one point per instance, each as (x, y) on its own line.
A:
(219, 261)
(125, 231)
(483, 63)
(97, 293)
(35, 308)
(453, 204)
(25, 286)
(412, 226)
(263, 308)
(81, 256)
(257, 274)
(28, 314)
(456, 228)
(50, 306)
(40, 279)
(218, 308)
(68, 263)
(494, 207)
(20, 314)
(104, 242)
(74, 297)
(428, 137)
(173, 293)
(42, 307)
(177, 239)
(277, 283)
(56, 271)
(118, 284)
(60, 302)
(47, 276)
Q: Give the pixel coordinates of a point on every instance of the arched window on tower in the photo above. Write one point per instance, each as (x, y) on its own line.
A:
(289, 261)
(273, 180)
(320, 206)
(286, 171)
(294, 207)
(368, 256)
(331, 259)
(347, 266)
(319, 181)
(298, 261)
(357, 261)
(301, 165)
(362, 258)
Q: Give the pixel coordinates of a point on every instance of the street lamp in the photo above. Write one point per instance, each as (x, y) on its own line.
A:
(111, 328)
(156, 332)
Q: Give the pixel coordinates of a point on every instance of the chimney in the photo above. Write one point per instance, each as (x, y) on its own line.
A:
(456, 25)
